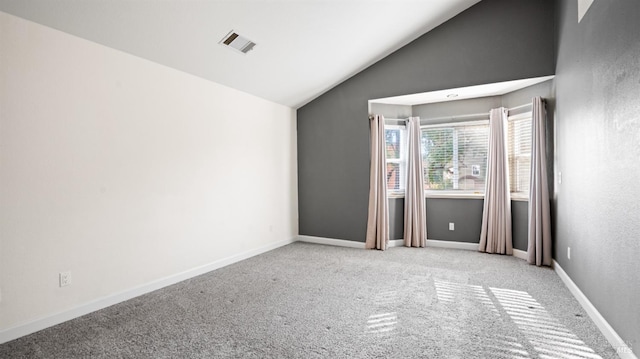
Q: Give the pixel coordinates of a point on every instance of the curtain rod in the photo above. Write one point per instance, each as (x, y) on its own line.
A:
(474, 114)
(462, 116)
(483, 114)
(519, 107)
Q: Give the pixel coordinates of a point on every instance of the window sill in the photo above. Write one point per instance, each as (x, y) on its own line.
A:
(454, 195)
(449, 194)
(395, 195)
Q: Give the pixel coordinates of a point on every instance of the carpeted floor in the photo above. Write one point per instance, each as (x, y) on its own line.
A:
(313, 301)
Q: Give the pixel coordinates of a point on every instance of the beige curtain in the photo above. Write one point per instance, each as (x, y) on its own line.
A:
(495, 236)
(378, 221)
(415, 218)
(539, 250)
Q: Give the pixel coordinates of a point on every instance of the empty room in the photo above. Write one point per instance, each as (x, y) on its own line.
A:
(319, 179)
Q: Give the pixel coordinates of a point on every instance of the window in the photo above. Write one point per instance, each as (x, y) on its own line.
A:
(454, 156)
(519, 147)
(395, 144)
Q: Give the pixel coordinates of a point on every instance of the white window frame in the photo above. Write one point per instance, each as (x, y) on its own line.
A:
(455, 193)
(402, 161)
(447, 193)
(519, 196)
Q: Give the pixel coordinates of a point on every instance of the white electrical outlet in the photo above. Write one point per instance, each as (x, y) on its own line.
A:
(65, 279)
(569, 252)
(451, 226)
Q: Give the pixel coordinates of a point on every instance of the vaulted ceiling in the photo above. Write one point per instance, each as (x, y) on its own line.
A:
(304, 47)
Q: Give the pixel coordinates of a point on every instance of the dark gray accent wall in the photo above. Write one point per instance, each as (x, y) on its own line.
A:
(396, 218)
(428, 112)
(390, 111)
(525, 95)
(520, 224)
(466, 214)
(494, 40)
(597, 151)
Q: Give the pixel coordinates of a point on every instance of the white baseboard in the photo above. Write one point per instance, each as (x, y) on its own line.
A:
(344, 242)
(400, 242)
(452, 245)
(614, 339)
(101, 303)
(396, 243)
(468, 246)
(331, 242)
(520, 254)
(392, 243)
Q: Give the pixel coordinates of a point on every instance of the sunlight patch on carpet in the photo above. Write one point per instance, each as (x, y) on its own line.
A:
(547, 335)
(382, 323)
(450, 292)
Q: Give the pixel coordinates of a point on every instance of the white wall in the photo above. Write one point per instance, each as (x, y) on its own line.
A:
(125, 172)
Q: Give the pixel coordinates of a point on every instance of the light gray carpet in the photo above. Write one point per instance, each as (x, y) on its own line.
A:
(313, 301)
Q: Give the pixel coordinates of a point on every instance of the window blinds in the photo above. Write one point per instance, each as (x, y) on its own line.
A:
(455, 156)
(519, 147)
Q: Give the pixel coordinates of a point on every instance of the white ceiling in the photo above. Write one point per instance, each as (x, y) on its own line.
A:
(462, 93)
(304, 47)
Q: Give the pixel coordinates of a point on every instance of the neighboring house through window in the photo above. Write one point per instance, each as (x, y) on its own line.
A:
(454, 156)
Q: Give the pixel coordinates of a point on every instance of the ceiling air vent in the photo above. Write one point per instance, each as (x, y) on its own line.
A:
(237, 42)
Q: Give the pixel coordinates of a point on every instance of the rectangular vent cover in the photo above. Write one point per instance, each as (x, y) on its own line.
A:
(237, 42)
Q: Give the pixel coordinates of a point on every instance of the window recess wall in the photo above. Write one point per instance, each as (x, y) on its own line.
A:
(462, 205)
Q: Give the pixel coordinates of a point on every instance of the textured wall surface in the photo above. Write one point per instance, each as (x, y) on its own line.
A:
(471, 106)
(391, 111)
(597, 152)
(466, 214)
(396, 218)
(495, 40)
(519, 224)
